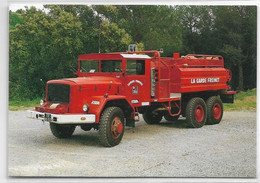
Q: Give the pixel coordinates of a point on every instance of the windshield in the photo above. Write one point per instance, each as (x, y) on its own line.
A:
(92, 66)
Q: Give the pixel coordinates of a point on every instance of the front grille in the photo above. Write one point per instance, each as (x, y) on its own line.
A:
(58, 93)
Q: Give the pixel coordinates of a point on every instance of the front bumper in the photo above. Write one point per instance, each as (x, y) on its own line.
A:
(62, 118)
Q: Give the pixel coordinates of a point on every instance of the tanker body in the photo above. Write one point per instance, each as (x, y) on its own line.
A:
(112, 89)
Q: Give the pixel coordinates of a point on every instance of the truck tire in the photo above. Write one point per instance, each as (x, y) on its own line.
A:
(168, 117)
(215, 110)
(111, 126)
(86, 127)
(196, 112)
(62, 131)
(152, 118)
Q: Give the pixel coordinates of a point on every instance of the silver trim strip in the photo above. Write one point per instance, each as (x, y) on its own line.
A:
(135, 56)
(63, 118)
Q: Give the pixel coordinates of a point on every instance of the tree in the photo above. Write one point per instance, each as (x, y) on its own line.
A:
(113, 39)
(223, 30)
(197, 25)
(44, 46)
(14, 18)
(236, 30)
(98, 33)
(154, 26)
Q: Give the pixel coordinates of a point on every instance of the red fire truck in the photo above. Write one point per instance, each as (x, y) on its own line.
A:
(112, 89)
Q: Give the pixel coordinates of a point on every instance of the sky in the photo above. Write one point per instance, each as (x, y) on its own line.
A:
(14, 7)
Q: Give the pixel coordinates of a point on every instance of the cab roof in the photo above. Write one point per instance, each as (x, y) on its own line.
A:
(107, 56)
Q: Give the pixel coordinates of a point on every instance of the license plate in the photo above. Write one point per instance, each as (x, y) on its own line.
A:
(47, 117)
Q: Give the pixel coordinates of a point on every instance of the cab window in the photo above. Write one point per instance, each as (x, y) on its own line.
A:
(135, 67)
(111, 66)
(90, 66)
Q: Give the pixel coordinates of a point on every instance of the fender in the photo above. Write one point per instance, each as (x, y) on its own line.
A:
(99, 102)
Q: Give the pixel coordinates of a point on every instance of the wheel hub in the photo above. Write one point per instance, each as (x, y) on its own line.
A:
(217, 111)
(199, 113)
(116, 127)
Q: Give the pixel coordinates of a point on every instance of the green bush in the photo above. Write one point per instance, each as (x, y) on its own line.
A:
(243, 101)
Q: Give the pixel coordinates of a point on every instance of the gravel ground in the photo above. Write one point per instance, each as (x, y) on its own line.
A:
(165, 150)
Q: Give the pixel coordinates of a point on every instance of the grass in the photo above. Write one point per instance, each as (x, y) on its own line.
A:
(23, 105)
(243, 101)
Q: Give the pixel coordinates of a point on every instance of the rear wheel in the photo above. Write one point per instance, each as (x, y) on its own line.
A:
(62, 131)
(152, 117)
(215, 110)
(111, 126)
(196, 112)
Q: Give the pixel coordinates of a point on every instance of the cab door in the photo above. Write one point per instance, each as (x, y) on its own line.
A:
(138, 83)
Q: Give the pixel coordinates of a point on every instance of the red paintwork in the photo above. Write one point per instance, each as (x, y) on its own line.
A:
(119, 128)
(217, 111)
(199, 113)
(46, 107)
(192, 73)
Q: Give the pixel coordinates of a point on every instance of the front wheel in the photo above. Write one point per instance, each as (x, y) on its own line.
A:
(111, 126)
(196, 112)
(215, 110)
(62, 131)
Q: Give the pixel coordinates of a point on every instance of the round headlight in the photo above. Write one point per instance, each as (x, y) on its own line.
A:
(85, 107)
(41, 102)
